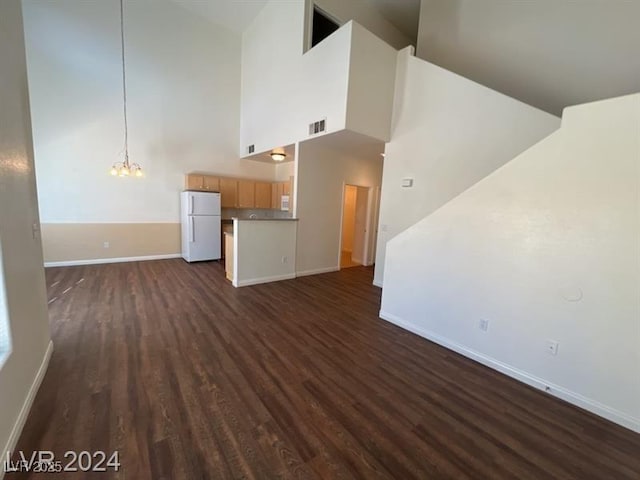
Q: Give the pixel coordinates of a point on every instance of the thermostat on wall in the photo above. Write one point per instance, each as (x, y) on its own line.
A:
(407, 182)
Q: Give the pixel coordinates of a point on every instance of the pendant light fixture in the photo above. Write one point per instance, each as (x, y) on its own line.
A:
(125, 168)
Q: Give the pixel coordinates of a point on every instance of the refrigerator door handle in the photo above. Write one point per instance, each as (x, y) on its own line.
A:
(191, 204)
(192, 230)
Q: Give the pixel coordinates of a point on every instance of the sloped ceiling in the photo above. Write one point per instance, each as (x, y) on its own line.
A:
(548, 53)
(236, 15)
(403, 14)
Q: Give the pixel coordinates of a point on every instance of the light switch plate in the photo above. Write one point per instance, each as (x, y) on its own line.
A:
(407, 182)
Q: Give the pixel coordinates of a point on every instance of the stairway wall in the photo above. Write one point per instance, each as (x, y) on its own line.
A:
(447, 134)
(545, 248)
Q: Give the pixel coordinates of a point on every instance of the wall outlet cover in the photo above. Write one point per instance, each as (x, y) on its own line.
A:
(552, 347)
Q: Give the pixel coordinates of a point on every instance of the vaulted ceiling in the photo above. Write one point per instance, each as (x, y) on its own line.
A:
(403, 14)
(238, 14)
(547, 53)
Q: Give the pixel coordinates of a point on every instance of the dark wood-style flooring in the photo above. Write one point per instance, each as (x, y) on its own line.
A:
(189, 378)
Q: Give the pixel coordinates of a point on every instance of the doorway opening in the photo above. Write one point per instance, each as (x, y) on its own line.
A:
(322, 26)
(354, 244)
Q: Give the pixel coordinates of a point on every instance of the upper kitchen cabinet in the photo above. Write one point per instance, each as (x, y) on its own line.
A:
(228, 192)
(246, 194)
(275, 195)
(211, 183)
(194, 182)
(345, 82)
(202, 183)
(263, 195)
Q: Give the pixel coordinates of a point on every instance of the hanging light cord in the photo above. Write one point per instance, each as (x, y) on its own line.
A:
(124, 86)
(124, 168)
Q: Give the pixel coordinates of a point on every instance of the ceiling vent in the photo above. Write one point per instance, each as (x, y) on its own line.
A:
(251, 149)
(318, 127)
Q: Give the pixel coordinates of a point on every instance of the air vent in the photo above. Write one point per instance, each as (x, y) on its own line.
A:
(317, 127)
(251, 149)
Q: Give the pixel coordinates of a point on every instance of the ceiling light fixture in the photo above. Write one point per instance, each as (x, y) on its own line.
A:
(125, 168)
(278, 156)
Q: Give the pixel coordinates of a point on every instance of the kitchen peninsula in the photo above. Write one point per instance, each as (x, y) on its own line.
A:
(260, 250)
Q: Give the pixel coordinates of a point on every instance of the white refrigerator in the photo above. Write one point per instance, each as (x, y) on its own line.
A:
(201, 237)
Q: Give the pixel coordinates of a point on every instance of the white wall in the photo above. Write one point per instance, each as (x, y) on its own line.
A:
(184, 100)
(348, 217)
(372, 74)
(366, 15)
(547, 53)
(264, 251)
(448, 133)
(347, 79)
(284, 171)
(25, 303)
(282, 89)
(544, 248)
(5, 337)
(322, 174)
(364, 196)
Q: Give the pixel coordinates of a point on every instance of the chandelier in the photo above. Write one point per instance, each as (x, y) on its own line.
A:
(125, 168)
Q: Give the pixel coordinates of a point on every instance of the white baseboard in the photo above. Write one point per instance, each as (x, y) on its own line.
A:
(317, 271)
(26, 408)
(574, 398)
(257, 281)
(98, 261)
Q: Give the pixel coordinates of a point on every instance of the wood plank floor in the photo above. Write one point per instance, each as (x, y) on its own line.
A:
(189, 378)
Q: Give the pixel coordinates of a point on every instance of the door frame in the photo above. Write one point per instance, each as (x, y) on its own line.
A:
(370, 222)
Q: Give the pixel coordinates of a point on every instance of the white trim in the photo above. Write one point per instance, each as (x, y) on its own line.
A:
(145, 222)
(256, 281)
(235, 260)
(377, 284)
(574, 398)
(26, 407)
(97, 261)
(317, 271)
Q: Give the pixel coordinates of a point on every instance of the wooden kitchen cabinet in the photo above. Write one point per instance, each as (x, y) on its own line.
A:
(290, 193)
(263, 195)
(241, 193)
(228, 255)
(280, 193)
(246, 194)
(275, 197)
(194, 182)
(228, 192)
(211, 183)
(279, 189)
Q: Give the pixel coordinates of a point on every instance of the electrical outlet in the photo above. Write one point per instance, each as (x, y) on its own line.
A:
(552, 347)
(483, 324)
(105, 245)
(285, 259)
